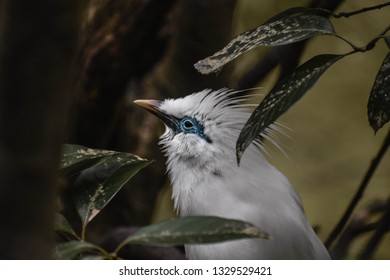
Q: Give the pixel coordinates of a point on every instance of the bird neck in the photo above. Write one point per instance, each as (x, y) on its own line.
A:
(216, 184)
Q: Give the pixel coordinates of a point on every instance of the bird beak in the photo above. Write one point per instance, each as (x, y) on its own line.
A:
(153, 106)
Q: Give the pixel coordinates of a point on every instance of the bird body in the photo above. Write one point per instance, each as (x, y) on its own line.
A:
(199, 142)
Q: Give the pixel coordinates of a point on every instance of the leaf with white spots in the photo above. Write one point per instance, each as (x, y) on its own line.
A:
(193, 230)
(285, 93)
(98, 184)
(379, 100)
(76, 158)
(290, 26)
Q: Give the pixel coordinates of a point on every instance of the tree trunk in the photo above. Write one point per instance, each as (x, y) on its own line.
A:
(38, 40)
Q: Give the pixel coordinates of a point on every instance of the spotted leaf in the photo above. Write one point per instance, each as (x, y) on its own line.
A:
(379, 100)
(286, 92)
(290, 26)
(190, 230)
(76, 158)
(102, 174)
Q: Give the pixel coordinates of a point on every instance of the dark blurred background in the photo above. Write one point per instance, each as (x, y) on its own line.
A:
(70, 71)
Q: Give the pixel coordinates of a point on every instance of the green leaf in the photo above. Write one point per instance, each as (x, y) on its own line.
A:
(72, 249)
(95, 257)
(286, 92)
(62, 225)
(97, 185)
(189, 230)
(287, 27)
(379, 100)
(78, 158)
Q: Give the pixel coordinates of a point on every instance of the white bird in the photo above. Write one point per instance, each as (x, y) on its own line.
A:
(199, 142)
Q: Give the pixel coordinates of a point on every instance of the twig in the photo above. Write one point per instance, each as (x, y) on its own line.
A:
(383, 227)
(348, 14)
(363, 185)
(370, 45)
(359, 224)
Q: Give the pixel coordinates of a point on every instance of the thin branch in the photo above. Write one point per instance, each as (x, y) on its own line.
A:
(363, 185)
(373, 42)
(370, 45)
(367, 9)
(382, 229)
(359, 224)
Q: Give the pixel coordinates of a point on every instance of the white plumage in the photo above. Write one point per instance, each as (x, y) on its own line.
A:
(199, 142)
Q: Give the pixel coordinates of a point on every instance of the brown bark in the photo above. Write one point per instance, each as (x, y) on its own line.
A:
(122, 40)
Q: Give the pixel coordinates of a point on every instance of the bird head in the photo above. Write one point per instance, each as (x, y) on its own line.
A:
(200, 127)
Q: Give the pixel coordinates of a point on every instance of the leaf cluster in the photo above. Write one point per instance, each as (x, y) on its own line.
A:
(290, 26)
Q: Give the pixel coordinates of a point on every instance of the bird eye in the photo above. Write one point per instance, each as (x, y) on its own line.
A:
(188, 124)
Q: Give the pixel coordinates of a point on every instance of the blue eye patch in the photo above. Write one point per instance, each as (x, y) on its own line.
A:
(191, 125)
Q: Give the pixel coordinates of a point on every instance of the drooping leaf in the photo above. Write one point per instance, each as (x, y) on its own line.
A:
(287, 27)
(77, 158)
(62, 225)
(286, 92)
(190, 230)
(97, 185)
(72, 249)
(379, 100)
